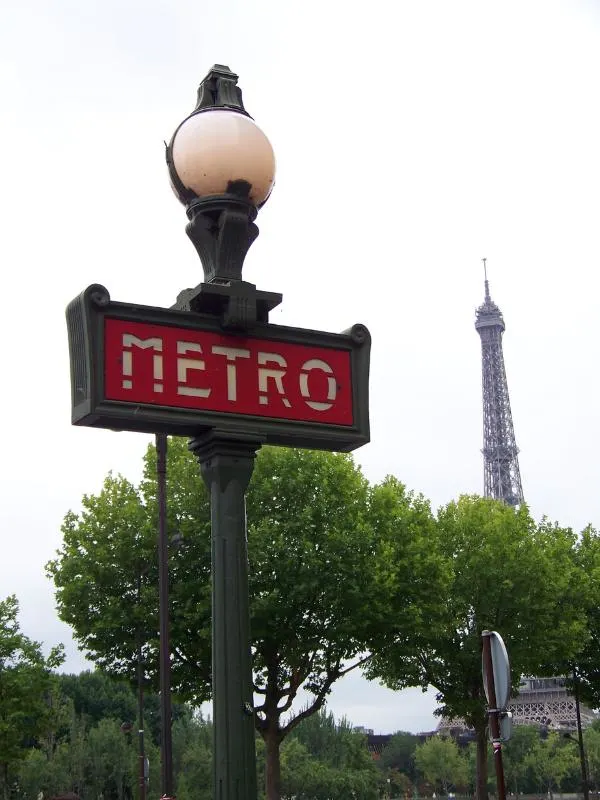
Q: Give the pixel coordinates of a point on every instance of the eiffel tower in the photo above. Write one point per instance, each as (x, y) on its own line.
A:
(502, 477)
(541, 701)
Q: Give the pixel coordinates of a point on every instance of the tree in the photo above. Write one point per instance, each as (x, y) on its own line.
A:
(334, 742)
(585, 665)
(25, 684)
(591, 738)
(551, 761)
(111, 760)
(507, 574)
(38, 773)
(192, 758)
(320, 573)
(96, 696)
(312, 558)
(516, 754)
(106, 578)
(471, 761)
(92, 755)
(399, 754)
(328, 775)
(441, 763)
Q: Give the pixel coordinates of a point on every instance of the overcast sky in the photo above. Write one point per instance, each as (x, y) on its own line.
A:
(413, 138)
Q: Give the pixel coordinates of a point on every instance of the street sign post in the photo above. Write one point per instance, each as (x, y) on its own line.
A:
(214, 369)
(500, 669)
(506, 725)
(496, 684)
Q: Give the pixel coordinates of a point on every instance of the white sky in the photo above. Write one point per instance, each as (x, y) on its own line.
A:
(413, 138)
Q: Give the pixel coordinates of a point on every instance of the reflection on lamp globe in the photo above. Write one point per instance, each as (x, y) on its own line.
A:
(213, 148)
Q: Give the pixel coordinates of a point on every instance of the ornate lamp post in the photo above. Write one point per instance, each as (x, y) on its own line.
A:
(222, 167)
(214, 369)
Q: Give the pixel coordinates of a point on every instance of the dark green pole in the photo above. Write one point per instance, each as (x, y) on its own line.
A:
(226, 465)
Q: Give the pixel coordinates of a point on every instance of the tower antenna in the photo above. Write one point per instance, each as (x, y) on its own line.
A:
(487, 286)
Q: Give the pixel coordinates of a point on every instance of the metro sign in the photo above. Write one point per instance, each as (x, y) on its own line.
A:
(203, 370)
(148, 369)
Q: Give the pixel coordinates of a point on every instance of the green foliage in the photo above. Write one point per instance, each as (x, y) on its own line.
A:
(517, 758)
(322, 759)
(106, 578)
(338, 570)
(591, 741)
(26, 683)
(90, 755)
(506, 573)
(586, 662)
(307, 777)
(493, 551)
(110, 759)
(441, 763)
(551, 760)
(410, 586)
(334, 742)
(325, 758)
(95, 697)
(311, 559)
(38, 773)
(309, 569)
(471, 758)
(399, 754)
(321, 569)
(192, 758)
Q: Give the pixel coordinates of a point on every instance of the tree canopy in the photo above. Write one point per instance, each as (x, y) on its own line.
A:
(441, 763)
(399, 754)
(586, 665)
(342, 575)
(325, 551)
(508, 574)
(25, 687)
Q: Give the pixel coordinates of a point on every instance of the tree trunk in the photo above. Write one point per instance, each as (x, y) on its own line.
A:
(481, 792)
(272, 766)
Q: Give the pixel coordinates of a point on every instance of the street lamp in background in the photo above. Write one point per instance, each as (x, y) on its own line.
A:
(579, 741)
(164, 544)
(140, 695)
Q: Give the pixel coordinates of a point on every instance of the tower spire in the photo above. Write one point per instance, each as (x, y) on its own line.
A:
(487, 285)
(502, 477)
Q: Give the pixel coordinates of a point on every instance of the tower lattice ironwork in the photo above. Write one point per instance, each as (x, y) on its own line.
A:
(502, 478)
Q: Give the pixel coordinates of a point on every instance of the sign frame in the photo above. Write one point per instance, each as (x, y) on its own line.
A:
(500, 669)
(86, 315)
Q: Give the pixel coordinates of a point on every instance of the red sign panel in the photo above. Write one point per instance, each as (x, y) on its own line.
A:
(185, 368)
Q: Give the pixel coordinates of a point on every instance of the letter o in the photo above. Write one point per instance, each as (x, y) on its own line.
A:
(317, 363)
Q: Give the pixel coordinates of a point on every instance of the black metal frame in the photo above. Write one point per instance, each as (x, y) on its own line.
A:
(222, 227)
(85, 320)
(217, 90)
